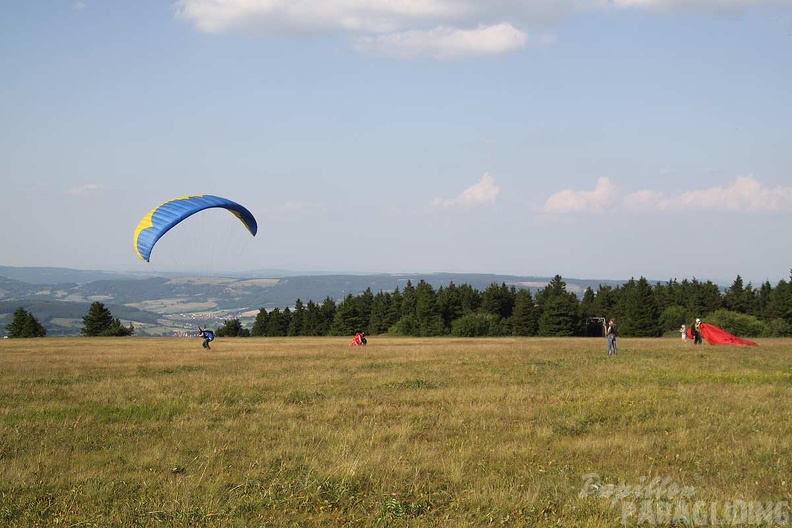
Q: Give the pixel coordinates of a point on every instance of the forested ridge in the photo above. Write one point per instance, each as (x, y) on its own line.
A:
(642, 310)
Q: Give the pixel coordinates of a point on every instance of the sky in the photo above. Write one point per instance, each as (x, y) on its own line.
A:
(595, 139)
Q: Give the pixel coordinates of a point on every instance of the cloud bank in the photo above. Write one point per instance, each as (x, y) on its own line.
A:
(570, 201)
(485, 192)
(744, 194)
(443, 29)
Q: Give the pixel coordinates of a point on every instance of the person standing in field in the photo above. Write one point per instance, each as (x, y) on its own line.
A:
(683, 331)
(697, 332)
(612, 332)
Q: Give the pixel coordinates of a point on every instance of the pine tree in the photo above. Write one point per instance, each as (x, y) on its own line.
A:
(100, 322)
(407, 323)
(427, 315)
(734, 298)
(588, 304)
(763, 305)
(312, 321)
(524, 319)
(380, 318)
(365, 302)
(639, 314)
(260, 324)
(97, 321)
(285, 322)
(348, 317)
(327, 313)
(232, 328)
(498, 300)
(277, 324)
(780, 302)
(449, 304)
(558, 310)
(297, 319)
(408, 301)
(470, 298)
(558, 318)
(24, 324)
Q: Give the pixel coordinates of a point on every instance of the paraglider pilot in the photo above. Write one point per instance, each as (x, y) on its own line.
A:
(697, 332)
(359, 339)
(207, 336)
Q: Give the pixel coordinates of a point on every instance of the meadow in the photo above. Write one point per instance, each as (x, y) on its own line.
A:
(403, 432)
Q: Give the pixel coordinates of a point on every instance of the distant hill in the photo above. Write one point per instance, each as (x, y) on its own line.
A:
(175, 303)
(39, 275)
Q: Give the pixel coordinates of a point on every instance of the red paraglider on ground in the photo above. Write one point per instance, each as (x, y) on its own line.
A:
(719, 336)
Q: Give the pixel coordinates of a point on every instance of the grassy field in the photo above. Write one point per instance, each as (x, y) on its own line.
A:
(404, 432)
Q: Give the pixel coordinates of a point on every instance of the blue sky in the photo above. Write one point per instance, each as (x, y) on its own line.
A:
(587, 138)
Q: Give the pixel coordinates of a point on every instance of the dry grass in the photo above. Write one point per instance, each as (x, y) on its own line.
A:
(404, 432)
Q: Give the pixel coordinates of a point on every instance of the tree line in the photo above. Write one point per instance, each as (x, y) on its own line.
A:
(98, 322)
(642, 310)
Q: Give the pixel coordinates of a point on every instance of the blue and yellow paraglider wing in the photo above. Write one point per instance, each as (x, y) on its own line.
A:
(163, 217)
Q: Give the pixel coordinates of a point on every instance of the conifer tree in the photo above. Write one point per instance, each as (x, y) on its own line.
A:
(297, 319)
(348, 317)
(277, 324)
(558, 310)
(639, 314)
(312, 320)
(524, 319)
(327, 312)
(364, 303)
(408, 301)
(779, 305)
(498, 300)
(24, 324)
(100, 322)
(734, 297)
(260, 324)
(449, 304)
(232, 328)
(380, 317)
(427, 315)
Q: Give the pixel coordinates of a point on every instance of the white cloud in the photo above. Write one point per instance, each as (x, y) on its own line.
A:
(597, 201)
(85, 189)
(288, 16)
(79, 5)
(446, 42)
(716, 4)
(397, 28)
(410, 28)
(744, 194)
(485, 192)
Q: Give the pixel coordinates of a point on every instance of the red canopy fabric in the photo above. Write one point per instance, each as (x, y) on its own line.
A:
(719, 336)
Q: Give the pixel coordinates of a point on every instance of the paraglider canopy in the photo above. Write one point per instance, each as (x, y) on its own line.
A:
(718, 336)
(167, 215)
